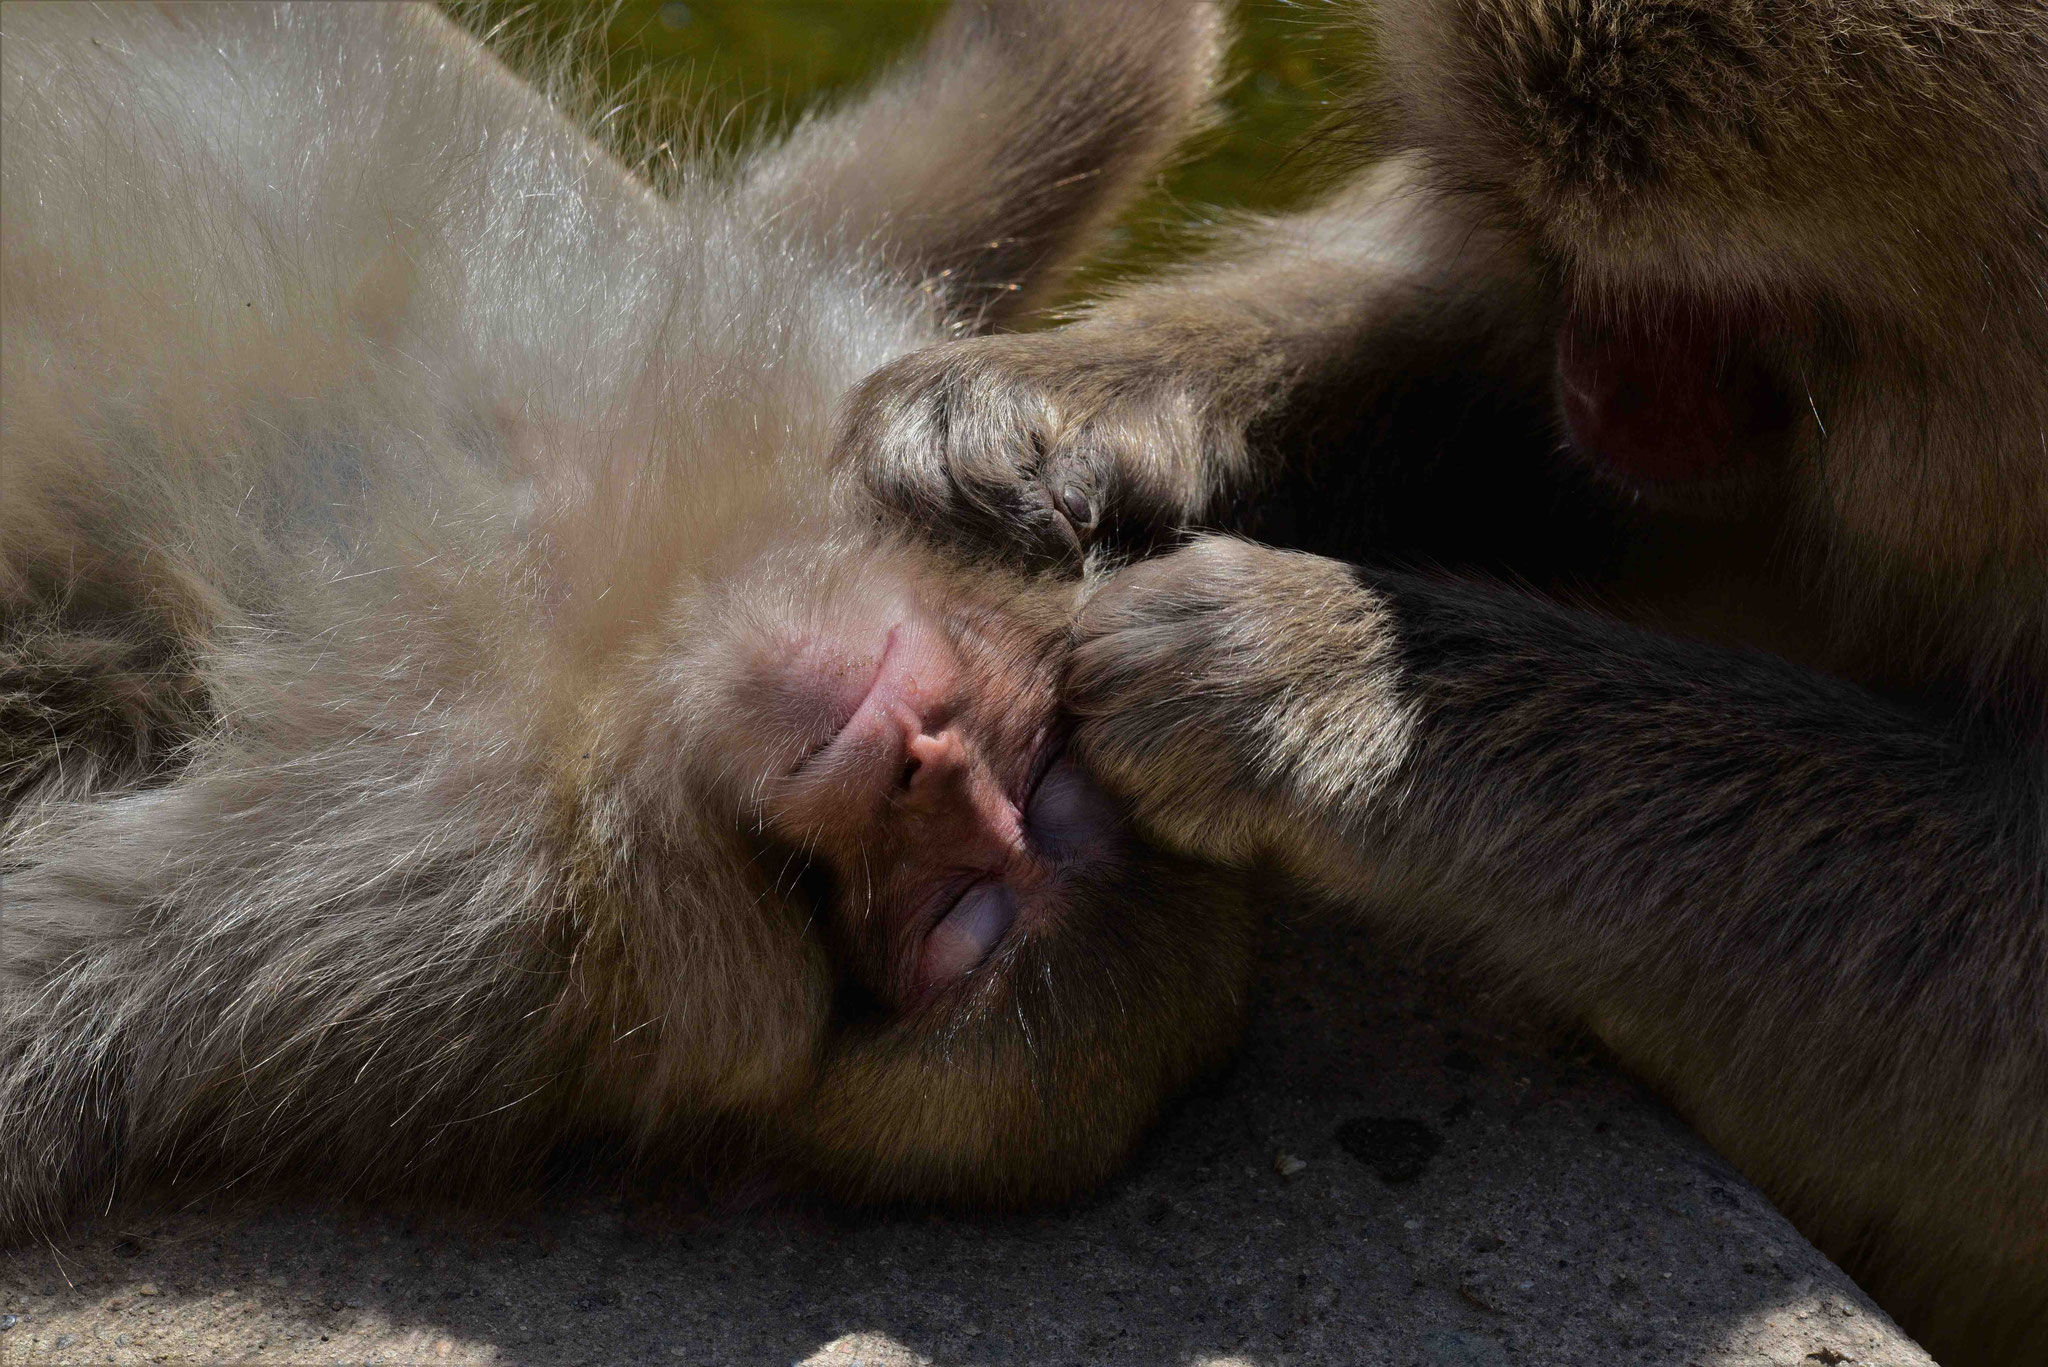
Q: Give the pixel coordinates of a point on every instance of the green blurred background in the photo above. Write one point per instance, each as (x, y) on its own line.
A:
(750, 66)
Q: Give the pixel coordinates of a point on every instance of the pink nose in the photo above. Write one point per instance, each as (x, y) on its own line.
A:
(934, 764)
(958, 800)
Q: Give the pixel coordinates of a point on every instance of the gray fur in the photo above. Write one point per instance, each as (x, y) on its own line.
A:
(1752, 783)
(397, 499)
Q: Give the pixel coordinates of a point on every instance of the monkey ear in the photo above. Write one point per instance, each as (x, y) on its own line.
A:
(989, 161)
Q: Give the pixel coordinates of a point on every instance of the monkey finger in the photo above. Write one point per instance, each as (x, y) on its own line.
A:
(993, 485)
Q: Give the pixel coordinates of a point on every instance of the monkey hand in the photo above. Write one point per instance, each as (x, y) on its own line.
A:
(1241, 698)
(1046, 444)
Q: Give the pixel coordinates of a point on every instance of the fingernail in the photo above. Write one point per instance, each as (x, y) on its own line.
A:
(1076, 506)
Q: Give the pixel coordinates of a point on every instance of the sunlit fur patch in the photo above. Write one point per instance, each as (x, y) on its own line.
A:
(449, 488)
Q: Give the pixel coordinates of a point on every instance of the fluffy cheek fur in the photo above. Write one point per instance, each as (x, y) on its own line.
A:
(690, 1007)
(1033, 1079)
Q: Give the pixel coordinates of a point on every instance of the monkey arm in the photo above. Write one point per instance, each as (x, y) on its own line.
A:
(1305, 386)
(986, 164)
(1817, 922)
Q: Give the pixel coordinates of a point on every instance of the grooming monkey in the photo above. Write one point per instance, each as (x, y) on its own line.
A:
(444, 714)
(1678, 386)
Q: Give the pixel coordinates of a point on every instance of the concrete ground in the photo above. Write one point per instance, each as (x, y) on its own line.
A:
(1387, 1176)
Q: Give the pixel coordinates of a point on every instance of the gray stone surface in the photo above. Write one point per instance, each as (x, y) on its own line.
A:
(1388, 1176)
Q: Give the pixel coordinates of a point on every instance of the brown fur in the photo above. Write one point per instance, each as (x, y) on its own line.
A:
(420, 579)
(1722, 326)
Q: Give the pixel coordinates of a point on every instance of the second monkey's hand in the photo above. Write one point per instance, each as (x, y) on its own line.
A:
(1237, 695)
(1044, 446)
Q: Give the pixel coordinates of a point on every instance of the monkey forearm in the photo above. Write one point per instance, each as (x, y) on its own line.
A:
(1628, 814)
(1703, 854)
(1337, 311)
(1170, 404)
(996, 190)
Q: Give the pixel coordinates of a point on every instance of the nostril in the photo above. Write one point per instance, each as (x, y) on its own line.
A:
(932, 757)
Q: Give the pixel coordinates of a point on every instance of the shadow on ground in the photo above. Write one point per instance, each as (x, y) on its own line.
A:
(1387, 1176)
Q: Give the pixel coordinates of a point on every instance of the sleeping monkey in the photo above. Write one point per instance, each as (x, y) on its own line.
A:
(445, 713)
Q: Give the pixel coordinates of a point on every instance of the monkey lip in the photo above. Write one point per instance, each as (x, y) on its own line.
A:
(967, 933)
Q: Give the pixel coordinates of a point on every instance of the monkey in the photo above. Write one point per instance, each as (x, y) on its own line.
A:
(1607, 537)
(451, 716)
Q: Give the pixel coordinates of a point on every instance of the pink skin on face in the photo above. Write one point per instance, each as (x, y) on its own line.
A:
(947, 816)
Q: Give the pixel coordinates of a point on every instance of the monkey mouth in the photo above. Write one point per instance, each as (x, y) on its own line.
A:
(973, 914)
(967, 932)
(1066, 821)
(932, 749)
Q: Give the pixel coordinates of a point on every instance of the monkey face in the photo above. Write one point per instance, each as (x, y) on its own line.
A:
(714, 814)
(969, 979)
(932, 788)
